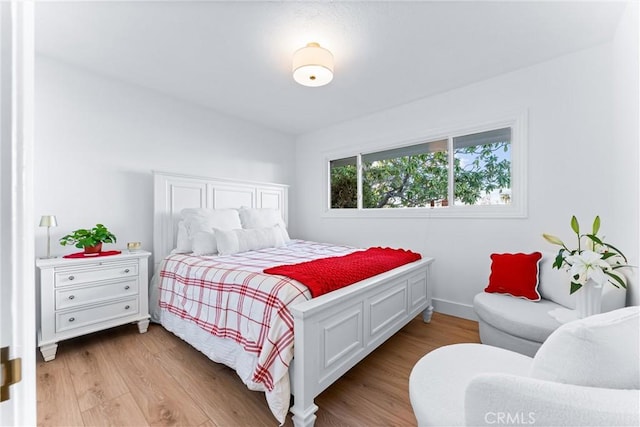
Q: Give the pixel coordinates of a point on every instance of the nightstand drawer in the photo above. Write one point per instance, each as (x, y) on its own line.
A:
(72, 297)
(96, 314)
(92, 274)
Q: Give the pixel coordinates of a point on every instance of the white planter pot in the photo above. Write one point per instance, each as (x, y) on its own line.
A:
(589, 299)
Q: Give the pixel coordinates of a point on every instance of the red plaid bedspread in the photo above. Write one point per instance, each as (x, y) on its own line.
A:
(230, 297)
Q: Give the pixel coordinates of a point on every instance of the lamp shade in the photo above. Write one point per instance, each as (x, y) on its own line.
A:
(48, 221)
(312, 65)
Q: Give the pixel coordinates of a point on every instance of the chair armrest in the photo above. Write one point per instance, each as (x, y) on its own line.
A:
(501, 399)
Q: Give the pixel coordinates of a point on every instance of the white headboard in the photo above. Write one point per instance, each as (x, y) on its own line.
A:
(172, 193)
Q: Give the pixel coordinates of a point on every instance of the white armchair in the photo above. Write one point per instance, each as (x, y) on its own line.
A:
(587, 373)
(545, 403)
(520, 325)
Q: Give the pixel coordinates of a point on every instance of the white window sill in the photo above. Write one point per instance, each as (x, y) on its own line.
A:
(497, 211)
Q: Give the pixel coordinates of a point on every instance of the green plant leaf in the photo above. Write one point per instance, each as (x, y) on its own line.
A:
(617, 278)
(595, 239)
(574, 225)
(574, 287)
(617, 250)
(596, 225)
(82, 238)
(558, 261)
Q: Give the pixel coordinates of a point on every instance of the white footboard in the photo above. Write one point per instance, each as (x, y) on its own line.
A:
(337, 330)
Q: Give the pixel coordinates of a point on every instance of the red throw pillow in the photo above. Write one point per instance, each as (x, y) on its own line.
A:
(515, 274)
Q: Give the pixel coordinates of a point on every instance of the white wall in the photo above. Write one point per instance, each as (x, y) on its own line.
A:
(626, 72)
(97, 141)
(570, 120)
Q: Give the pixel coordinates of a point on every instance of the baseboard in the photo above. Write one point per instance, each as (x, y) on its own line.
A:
(454, 308)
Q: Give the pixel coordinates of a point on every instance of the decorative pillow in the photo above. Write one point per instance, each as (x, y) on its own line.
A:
(515, 275)
(201, 219)
(262, 218)
(183, 243)
(224, 219)
(597, 351)
(204, 243)
(234, 241)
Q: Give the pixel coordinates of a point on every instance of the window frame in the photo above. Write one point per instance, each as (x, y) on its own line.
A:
(516, 209)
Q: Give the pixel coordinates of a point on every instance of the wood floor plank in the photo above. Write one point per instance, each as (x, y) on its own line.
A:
(156, 339)
(355, 404)
(216, 389)
(168, 382)
(56, 401)
(380, 383)
(121, 411)
(209, 423)
(95, 376)
(160, 398)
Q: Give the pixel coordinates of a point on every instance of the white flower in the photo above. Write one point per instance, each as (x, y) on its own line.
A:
(593, 258)
(588, 265)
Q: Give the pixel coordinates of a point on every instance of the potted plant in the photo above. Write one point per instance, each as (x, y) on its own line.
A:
(90, 240)
(591, 265)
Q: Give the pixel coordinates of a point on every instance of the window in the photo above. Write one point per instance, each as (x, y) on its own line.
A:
(471, 172)
(407, 177)
(482, 168)
(344, 183)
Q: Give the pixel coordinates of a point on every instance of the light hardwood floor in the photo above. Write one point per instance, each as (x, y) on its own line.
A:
(122, 378)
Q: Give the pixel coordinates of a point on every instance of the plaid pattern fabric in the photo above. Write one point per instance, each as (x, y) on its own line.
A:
(230, 297)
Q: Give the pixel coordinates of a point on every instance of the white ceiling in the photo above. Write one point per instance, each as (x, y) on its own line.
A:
(235, 57)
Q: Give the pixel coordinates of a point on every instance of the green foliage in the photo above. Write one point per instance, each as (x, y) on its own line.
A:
(417, 180)
(83, 238)
(411, 181)
(344, 187)
(485, 173)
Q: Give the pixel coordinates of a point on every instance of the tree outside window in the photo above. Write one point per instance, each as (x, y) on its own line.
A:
(418, 175)
(344, 183)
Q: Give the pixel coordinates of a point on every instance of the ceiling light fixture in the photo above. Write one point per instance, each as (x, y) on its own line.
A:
(312, 65)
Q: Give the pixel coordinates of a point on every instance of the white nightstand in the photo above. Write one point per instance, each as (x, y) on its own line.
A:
(83, 295)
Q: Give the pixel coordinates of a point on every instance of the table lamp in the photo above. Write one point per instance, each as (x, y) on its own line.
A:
(48, 221)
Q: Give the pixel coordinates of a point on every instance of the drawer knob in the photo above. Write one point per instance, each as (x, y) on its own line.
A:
(126, 307)
(71, 319)
(126, 288)
(71, 296)
(71, 277)
(126, 270)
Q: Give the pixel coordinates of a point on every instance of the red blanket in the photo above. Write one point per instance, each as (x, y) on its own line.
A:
(328, 274)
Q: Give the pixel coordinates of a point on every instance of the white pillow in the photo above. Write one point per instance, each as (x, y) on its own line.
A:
(200, 219)
(597, 351)
(234, 241)
(204, 243)
(225, 219)
(263, 218)
(183, 243)
(555, 284)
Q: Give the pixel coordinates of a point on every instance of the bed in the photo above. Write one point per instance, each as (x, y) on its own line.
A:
(331, 333)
